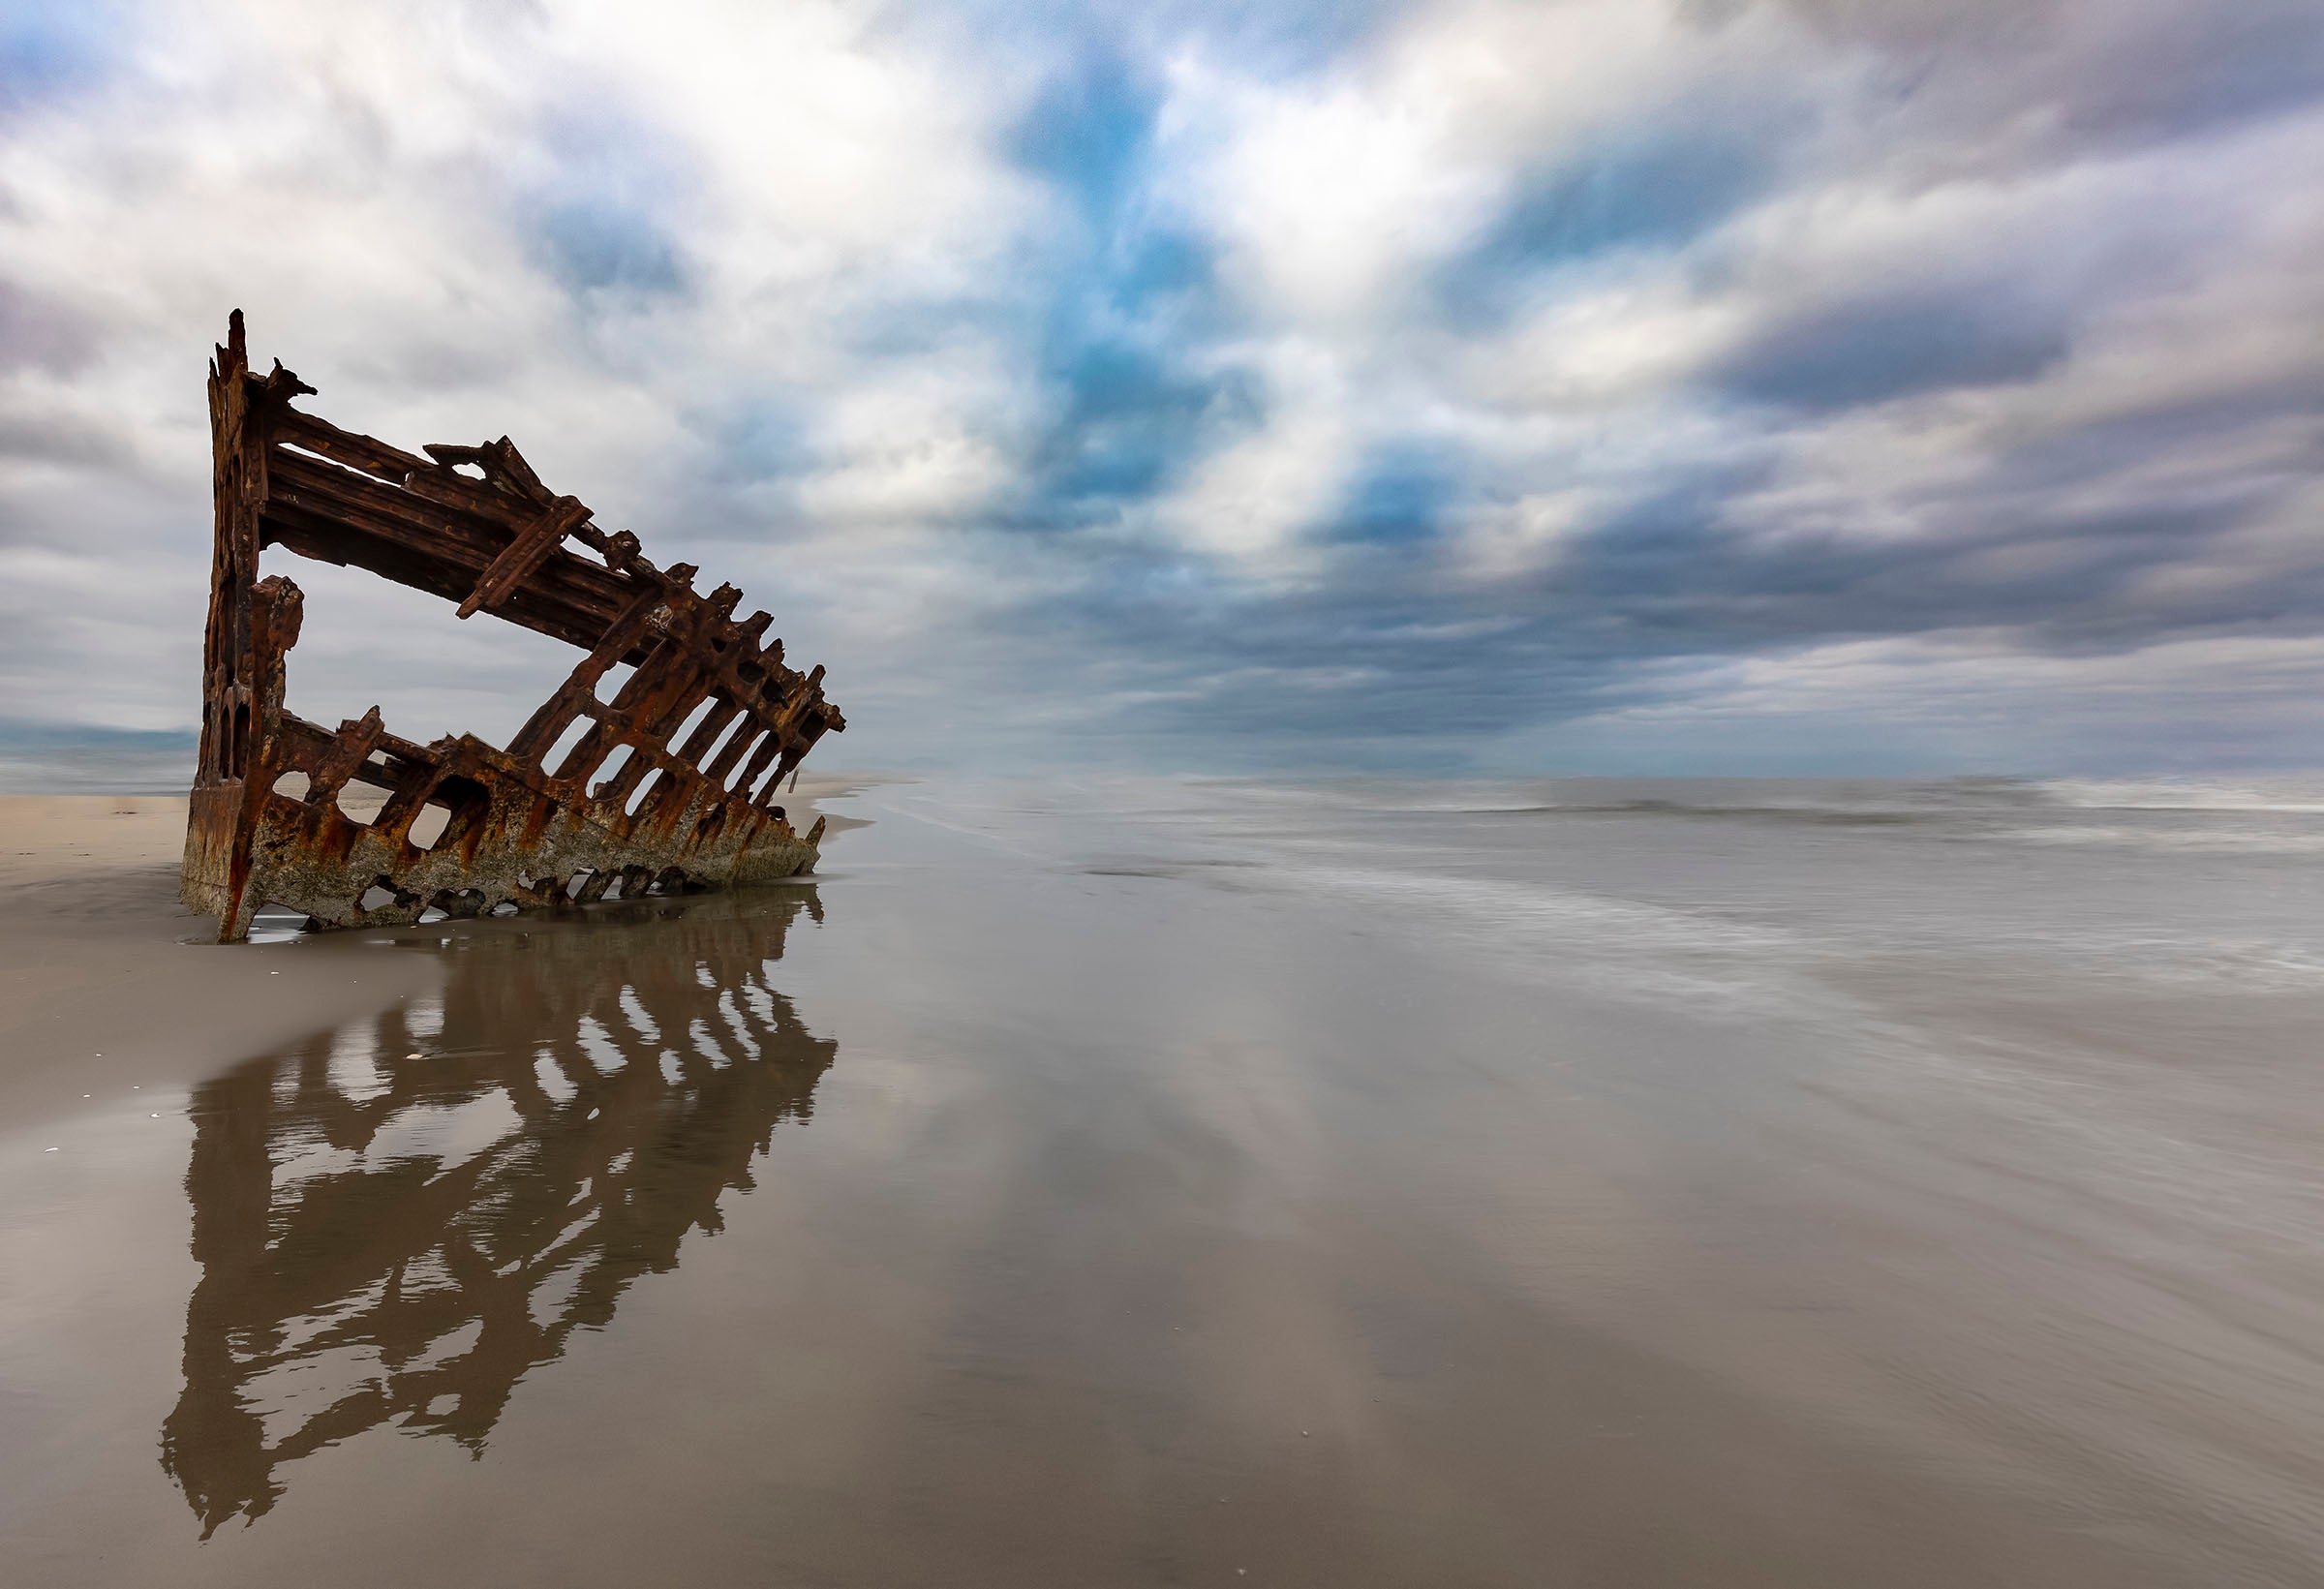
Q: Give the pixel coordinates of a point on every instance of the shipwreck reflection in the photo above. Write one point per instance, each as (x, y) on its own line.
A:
(397, 1220)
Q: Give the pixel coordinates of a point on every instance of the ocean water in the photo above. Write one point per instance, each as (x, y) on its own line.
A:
(34, 760)
(2126, 976)
(1164, 1180)
(2023, 1078)
(1751, 887)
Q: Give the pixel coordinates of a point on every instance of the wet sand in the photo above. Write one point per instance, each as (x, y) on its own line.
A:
(1021, 1204)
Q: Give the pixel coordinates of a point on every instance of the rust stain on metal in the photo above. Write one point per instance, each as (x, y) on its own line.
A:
(654, 795)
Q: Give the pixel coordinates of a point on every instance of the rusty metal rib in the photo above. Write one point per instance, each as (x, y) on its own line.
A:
(515, 831)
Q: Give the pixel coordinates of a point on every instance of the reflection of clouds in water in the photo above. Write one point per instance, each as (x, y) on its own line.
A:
(399, 1219)
(1721, 966)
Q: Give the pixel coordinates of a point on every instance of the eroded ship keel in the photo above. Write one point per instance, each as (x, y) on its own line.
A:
(671, 783)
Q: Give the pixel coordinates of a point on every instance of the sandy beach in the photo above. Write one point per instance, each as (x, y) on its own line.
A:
(1159, 1183)
(100, 970)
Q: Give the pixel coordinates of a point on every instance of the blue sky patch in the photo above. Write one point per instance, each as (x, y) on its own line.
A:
(50, 49)
(1402, 493)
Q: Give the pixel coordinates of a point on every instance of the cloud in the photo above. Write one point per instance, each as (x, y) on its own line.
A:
(1950, 700)
(1441, 384)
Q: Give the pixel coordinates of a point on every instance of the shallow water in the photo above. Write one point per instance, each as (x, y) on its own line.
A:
(1168, 1182)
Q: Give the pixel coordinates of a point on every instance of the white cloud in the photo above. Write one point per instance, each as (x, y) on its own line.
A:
(362, 183)
(1331, 196)
(817, 348)
(902, 451)
(1521, 538)
(1249, 502)
(1960, 695)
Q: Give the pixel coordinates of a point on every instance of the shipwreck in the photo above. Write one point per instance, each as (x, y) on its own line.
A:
(668, 784)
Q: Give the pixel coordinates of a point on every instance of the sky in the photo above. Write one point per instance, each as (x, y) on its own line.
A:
(1732, 386)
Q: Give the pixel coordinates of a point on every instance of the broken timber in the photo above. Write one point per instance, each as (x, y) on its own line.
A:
(641, 801)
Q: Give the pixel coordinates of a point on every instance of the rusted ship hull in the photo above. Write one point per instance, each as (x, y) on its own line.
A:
(671, 785)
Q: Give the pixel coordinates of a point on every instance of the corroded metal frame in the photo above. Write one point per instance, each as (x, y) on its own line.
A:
(657, 794)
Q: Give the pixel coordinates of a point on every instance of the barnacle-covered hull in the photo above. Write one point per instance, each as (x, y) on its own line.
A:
(671, 785)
